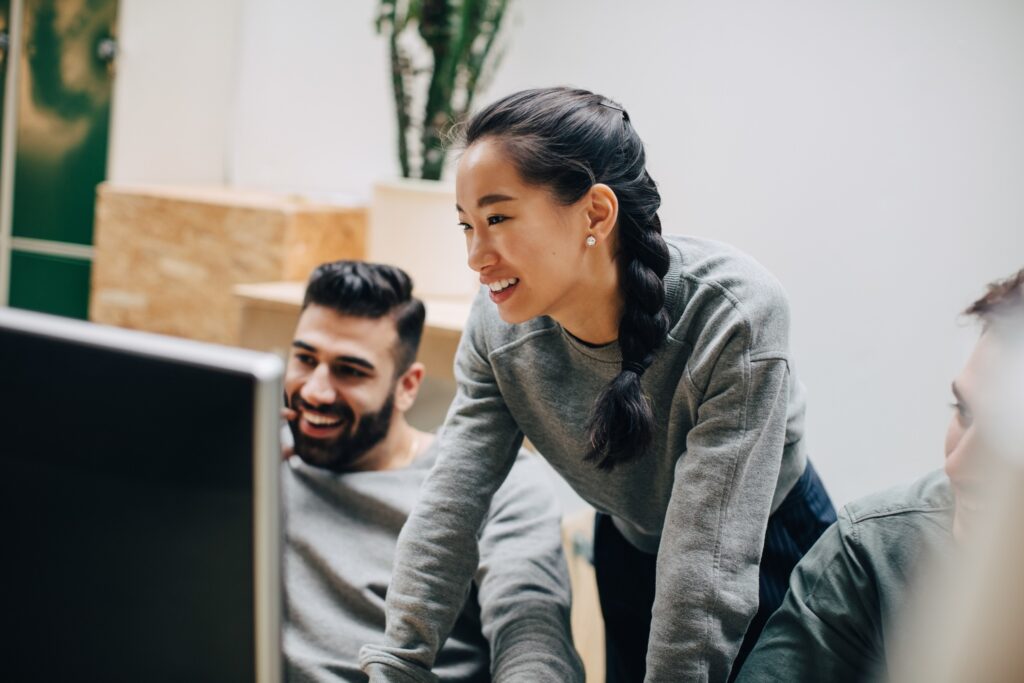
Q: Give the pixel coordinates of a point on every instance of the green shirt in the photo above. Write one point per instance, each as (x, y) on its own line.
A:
(845, 592)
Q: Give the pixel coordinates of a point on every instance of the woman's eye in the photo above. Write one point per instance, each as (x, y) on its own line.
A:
(465, 226)
(494, 220)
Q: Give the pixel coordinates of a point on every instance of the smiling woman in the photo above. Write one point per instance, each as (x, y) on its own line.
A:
(515, 231)
(652, 372)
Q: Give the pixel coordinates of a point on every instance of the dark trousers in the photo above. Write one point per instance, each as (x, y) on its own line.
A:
(625, 577)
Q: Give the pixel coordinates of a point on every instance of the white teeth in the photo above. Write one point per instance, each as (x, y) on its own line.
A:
(499, 285)
(321, 420)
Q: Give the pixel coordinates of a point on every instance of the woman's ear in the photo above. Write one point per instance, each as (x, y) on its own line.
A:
(602, 211)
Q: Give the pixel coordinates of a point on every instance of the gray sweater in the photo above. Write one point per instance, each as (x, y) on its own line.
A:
(726, 451)
(845, 593)
(341, 532)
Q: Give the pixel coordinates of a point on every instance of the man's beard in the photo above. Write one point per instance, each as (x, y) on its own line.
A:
(339, 453)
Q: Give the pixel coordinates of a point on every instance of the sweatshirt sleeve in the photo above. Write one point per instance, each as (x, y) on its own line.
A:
(706, 590)
(437, 552)
(523, 582)
(826, 628)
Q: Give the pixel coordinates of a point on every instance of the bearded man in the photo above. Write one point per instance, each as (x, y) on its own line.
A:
(357, 469)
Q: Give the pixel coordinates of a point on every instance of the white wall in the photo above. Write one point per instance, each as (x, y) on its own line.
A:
(869, 152)
(314, 105)
(174, 91)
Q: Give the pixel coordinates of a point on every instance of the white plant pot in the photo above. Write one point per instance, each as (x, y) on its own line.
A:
(414, 225)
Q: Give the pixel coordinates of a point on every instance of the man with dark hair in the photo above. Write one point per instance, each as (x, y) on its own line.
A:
(350, 379)
(835, 621)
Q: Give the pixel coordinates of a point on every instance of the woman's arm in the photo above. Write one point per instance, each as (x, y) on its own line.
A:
(708, 562)
(437, 552)
(524, 582)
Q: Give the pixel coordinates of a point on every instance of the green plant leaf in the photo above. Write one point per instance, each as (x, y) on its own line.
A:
(459, 35)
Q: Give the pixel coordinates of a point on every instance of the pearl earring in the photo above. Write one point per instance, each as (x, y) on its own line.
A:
(591, 241)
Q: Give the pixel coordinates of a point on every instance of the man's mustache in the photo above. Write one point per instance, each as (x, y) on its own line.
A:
(339, 410)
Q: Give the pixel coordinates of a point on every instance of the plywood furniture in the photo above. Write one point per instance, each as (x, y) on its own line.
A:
(587, 622)
(167, 258)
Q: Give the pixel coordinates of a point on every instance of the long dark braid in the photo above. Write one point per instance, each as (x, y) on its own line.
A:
(568, 140)
(622, 422)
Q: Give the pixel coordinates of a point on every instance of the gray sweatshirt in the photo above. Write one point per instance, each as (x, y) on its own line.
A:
(341, 532)
(726, 451)
(846, 593)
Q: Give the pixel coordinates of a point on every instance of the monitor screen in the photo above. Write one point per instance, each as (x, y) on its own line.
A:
(139, 506)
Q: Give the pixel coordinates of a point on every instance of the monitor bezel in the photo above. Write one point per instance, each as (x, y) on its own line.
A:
(267, 372)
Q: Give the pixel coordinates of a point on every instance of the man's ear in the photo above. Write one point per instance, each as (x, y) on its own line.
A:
(408, 387)
(602, 208)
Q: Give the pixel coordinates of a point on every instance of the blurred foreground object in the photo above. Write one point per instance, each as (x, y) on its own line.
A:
(972, 628)
(923, 583)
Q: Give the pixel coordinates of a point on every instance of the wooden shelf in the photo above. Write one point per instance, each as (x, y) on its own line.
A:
(443, 315)
(198, 243)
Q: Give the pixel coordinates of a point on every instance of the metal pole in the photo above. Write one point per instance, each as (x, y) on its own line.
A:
(10, 142)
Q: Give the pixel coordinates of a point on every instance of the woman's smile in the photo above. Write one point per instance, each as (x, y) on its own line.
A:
(502, 290)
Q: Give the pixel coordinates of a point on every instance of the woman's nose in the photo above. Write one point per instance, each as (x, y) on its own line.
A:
(480, 252)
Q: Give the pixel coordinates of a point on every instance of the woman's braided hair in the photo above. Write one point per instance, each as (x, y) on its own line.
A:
(568, 140)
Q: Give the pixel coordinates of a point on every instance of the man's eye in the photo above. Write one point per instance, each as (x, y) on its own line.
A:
(305, 359)
(963, 412)
(348, 371)
(494, 220)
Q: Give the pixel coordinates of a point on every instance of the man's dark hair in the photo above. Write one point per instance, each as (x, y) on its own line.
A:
(1002, 303)
(371, 290)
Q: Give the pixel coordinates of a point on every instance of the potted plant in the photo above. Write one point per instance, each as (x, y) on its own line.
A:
(441, 52)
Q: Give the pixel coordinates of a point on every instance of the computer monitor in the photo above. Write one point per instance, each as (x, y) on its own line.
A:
(139, 506)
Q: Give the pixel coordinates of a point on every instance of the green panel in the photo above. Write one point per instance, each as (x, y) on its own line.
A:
(63, 118)
(50, 284)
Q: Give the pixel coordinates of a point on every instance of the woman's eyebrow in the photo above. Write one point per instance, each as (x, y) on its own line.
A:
(487, 200)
